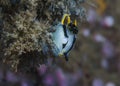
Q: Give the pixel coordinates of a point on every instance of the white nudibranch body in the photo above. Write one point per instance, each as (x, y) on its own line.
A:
(58, 37)
(63, 39)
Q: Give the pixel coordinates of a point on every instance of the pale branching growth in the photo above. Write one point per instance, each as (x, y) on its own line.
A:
(26, 33)
(54, 9)
(23, 33)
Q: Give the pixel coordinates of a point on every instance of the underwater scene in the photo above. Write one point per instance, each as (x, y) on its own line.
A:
(59, 43)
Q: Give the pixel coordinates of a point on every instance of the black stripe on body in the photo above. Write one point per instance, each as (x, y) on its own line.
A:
(72, 44)
(63, 45)
(66, 53)
(65, 31)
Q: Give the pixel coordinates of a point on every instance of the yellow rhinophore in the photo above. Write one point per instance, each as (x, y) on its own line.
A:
(75, 22)
(68, 19)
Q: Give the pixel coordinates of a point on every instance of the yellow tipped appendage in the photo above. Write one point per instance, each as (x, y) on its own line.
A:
(68, 19)
(75, 22)
(61, 53)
